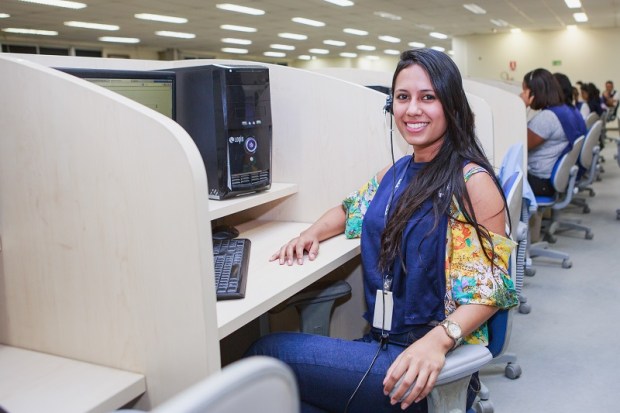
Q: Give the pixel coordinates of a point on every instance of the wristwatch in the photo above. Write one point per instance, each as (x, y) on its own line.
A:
(453, 330)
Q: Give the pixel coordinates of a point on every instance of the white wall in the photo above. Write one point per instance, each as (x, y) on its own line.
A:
(586, 55)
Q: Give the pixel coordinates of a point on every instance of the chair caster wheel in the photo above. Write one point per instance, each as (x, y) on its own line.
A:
(525, 308)
(589, 235)
(483, 406)
(512, 371)
(567, 263)
(530, 272)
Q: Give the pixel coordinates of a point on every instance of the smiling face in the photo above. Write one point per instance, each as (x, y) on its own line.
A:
(418, 113)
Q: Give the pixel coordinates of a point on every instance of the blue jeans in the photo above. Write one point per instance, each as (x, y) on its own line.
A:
(329, 369)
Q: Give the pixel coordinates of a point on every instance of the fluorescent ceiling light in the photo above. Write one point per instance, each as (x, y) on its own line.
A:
(304, 57)
(474, 8)
(387, 15)
(293, 36)
(234, 50)
(160, 18)
(366, 47)
(334, 43)
(438, 35)
(580, 17)
(238, 28)
(343, 3)
(4, 15)
(231, 40)
(389, 39)
(30, 31)
(439, 48)
(240, 9)
(572, 4)
(515, 30)
(282, 47)
(355, 31)
(348, 54)
(112, 39)
(58, 3)
(372, 57)
(274, 54)
(319, 51)
(179, 35)
(392, 52)
(451, 52)
(416, 44)
(94, 26)
(499, 22)
(309, 22)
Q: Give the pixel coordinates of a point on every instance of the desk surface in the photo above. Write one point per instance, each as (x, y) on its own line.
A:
(38, 382)
(269, 283)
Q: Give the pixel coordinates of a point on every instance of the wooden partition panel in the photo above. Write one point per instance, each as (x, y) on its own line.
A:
(106, 248)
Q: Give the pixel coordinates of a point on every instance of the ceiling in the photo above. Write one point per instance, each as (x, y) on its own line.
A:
(417, 19)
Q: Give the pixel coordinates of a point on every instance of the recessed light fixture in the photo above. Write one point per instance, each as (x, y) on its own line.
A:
(499, 22)
(438, 35)
(439, 48)
(4, 15)
(343, 3)
(235, 28)
(387, 15)
(275, 54)
(319, 51)
(282, 47)
(371, 57)
(94, 26)
(180, 35)
(18, 30)
(234, 50)
(392, 52)
(58, 3)
(366, 47)
(515, 30)
(573, 4)
(112, 39)
(356, 32)
(580, 17)
(474, 8)
(308, 22)
(304, 57)
(293, 36)
(231, 40)
(240, 9)
(334, 43)
(416, 44)
(389, 39)
(348, 55)
(160, 18)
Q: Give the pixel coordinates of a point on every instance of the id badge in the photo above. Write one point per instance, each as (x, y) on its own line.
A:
(384, 300)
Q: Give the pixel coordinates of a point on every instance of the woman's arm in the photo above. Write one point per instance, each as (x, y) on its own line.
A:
(533, 139)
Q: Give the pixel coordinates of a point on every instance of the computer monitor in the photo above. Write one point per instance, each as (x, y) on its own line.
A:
(152, 88)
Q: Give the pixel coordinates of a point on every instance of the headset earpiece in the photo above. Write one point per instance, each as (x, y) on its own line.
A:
(388, 104)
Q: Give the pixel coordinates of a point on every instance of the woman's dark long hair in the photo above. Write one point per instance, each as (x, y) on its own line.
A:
(442, 178)
(566, 86)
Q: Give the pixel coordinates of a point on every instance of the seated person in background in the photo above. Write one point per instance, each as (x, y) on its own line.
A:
(610, 98)
(432, 230)
(551, 132)
(575, 126)
(591, 100)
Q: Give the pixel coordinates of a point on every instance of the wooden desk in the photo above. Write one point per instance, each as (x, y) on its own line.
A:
(38, 382)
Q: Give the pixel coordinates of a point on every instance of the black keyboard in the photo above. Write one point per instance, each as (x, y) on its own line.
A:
(231, 258)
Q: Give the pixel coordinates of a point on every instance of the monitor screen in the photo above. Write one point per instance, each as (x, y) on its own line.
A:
(155, 89)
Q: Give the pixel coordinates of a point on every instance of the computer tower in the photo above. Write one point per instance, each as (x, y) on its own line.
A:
(226, 110)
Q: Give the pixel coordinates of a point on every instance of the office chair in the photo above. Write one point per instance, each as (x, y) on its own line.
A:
(563, 178)
(590, 119)
(588, 163)
(253, 384)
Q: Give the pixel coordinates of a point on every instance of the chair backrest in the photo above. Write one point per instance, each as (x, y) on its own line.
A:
(561, 170)
(253, 384)
(513, 191)
(591, 140)
(591, 118)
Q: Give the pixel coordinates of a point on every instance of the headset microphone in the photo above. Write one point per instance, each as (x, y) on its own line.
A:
(388, 104)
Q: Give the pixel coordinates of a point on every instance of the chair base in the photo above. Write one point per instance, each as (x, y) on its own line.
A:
(541, 249)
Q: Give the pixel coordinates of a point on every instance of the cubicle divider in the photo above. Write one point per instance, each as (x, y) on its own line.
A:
(105, 220)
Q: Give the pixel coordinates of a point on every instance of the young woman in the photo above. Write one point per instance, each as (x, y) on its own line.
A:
(432, 230)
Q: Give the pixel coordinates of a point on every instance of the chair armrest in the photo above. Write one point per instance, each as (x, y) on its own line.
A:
(462, 362)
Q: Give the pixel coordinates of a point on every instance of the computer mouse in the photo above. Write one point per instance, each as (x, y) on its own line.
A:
(224, 232)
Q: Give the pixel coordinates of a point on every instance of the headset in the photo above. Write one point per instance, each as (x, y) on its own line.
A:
(388, 107)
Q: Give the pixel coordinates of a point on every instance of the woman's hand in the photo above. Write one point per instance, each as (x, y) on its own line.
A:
(420, 364)
(295, 248)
